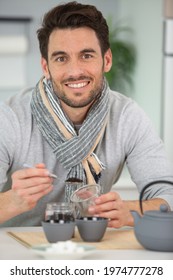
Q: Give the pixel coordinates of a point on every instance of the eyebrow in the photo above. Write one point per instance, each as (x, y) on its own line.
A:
(56, 53)
(88, 51)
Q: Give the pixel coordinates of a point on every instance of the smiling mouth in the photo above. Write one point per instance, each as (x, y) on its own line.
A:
(78, 85)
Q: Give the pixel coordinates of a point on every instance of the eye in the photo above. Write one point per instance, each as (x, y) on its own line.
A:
(61, 59)
(87, 56)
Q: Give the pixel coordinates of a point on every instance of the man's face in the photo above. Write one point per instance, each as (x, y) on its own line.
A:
(75, 65)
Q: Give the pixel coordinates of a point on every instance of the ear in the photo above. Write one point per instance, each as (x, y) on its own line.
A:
(45, 68)
(107, 60)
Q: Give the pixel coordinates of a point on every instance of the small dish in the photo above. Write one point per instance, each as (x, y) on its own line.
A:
(67, 250)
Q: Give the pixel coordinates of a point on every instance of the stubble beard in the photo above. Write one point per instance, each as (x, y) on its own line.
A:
(93, 95)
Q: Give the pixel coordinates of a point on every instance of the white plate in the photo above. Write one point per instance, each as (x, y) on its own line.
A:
(41, 251)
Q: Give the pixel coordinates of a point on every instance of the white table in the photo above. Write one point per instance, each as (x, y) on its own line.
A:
(12, 249)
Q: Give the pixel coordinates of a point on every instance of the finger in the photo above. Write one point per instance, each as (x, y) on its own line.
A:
(44, 192)
(40, 165)
(31, 182)
(105, 207)
(111, 215)
(31, 200)
(30, 172)
(36, 181)
(33, 190)
(111, 196)
(116, 223)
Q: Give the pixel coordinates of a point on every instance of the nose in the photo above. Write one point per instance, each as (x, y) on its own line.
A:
(75, 68)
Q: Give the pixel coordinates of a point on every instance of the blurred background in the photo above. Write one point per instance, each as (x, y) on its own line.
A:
(145, 27)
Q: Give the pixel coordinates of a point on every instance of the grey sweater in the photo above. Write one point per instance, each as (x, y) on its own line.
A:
(129, 138)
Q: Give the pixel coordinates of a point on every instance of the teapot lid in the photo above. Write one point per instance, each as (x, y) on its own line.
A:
(162, 213)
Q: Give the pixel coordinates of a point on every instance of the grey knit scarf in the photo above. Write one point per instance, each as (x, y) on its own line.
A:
(75, 153)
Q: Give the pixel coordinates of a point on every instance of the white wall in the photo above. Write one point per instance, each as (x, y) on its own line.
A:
(146, 19)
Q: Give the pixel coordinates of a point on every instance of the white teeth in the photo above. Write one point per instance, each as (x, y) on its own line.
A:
(80, 85)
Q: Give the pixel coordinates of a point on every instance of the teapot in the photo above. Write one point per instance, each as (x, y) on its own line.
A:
(154, 230)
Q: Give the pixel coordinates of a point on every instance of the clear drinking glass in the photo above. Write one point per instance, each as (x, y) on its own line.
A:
(71, 186)
(85, 197)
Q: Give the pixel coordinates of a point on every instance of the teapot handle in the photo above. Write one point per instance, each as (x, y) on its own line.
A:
(148, 185)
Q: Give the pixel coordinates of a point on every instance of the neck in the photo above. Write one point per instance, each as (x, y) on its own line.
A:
(76, 115)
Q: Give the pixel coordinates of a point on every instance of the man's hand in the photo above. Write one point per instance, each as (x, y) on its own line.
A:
(28, 186)
(111, 206)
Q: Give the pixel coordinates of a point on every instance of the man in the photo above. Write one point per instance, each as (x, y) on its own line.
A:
(73, 125)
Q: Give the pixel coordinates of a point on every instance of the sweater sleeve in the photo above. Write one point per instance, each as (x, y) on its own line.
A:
(9, 133)
(145, 155)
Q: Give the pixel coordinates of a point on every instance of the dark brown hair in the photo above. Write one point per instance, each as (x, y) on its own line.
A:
(73, 15)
